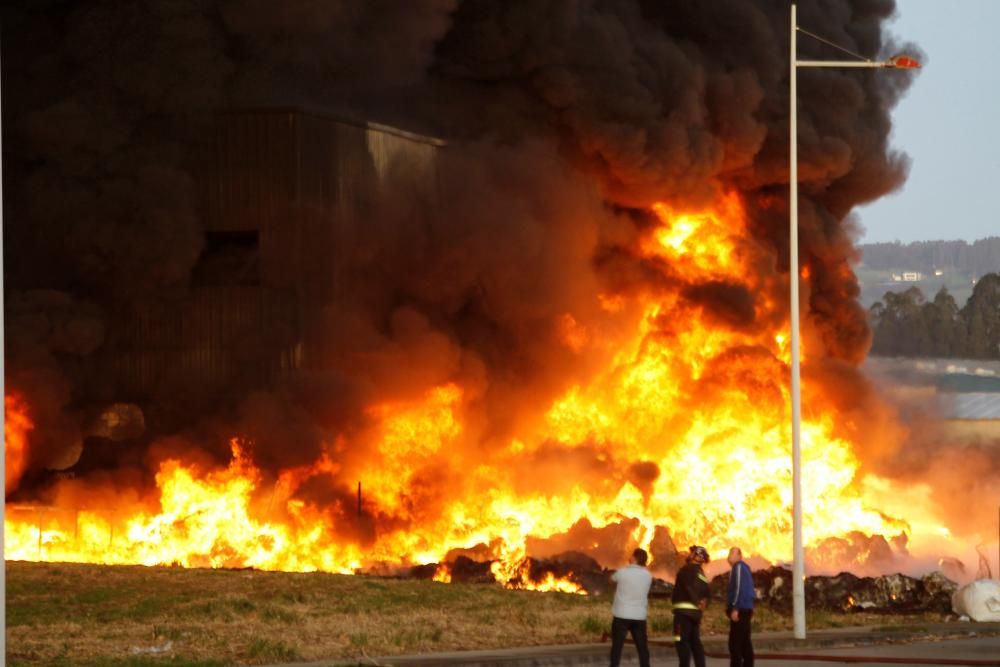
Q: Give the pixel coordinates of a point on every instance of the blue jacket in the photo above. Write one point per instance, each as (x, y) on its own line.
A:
(741, 593)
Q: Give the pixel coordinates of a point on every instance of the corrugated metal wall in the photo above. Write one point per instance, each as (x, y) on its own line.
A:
(297, 177)
(255, 187)
(215, 336)
(293, 178)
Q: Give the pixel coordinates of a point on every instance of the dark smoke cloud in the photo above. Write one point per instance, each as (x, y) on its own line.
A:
(42, 328)
(730, 304)
(673, 101)
(566, 121)
(104, 131)
(317, 51)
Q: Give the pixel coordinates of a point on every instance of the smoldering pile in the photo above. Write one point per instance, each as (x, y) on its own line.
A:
(846, 592)
(843, 592)
(572, 567)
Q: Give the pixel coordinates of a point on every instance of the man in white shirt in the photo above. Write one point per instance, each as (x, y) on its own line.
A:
(630, 608)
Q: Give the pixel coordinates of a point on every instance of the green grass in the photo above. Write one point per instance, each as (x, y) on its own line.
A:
(279, 614)
(272, 650)
(154, 662)
(594, 625)
(131, 661)
(66, 614)
(95, 596)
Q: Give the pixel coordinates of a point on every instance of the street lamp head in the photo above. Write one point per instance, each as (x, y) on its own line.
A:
(903, 62)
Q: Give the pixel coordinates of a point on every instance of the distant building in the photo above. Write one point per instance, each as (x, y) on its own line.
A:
(963, 393)
(973, 394)
(978, 406)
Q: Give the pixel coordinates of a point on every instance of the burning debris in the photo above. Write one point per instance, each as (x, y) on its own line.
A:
(846, 592)
(464, 569)
(843, 592)
(571, 572)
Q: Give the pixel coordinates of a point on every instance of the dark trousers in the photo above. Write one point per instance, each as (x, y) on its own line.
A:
(619, 628)
(687, 636)
(740, 646)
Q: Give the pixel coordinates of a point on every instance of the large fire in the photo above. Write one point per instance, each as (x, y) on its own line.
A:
(695, 402)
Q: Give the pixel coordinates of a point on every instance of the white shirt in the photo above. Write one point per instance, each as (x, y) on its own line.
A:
(632, 594)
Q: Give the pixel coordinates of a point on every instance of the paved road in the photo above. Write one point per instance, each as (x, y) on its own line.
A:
(985, 645)
(980, 648)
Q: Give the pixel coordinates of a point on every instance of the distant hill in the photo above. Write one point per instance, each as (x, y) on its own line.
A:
(978, 258)
(929, 265)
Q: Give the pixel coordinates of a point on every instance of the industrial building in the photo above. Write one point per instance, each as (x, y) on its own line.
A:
(963, 393)
(280, 184)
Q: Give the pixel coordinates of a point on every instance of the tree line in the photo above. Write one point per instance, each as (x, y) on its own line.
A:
(905, 324)
(976, 258)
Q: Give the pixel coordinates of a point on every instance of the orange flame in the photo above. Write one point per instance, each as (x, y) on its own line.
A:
(16, 425)
(703, 404)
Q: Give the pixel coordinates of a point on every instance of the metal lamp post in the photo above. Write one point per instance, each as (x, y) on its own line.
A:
(903, 62)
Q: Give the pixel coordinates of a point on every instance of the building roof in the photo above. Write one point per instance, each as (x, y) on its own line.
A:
(346, 119)
(965, 383)
(978, 406)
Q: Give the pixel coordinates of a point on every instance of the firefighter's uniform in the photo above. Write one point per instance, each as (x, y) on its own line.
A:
(690, 589)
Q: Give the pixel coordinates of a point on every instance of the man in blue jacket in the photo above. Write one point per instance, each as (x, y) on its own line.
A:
(739, 608)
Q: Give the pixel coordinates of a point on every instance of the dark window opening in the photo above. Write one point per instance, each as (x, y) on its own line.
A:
(229, 258)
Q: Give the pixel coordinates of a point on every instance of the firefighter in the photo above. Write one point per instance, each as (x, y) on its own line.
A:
(690, 598)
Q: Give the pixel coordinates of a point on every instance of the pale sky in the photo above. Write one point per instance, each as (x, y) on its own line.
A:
(949, 124)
